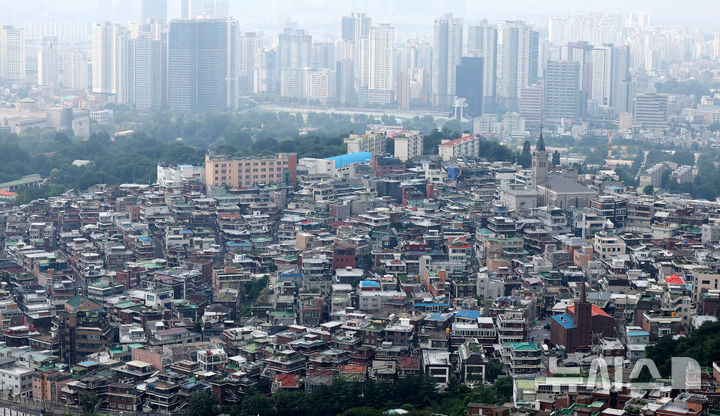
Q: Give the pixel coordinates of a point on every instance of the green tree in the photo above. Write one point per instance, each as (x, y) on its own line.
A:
(504, 389)
(637, 162)
(363, 411)
(648, 190)
(683, 157)
(86, 180)
(702, 345)
(525, 158)
(88, 401)
(452, 126)
(202, 403)
(257, 404)
(197, 327)
(556, 159)
(494, 369)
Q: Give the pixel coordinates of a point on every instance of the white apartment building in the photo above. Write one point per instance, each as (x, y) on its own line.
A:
(176, 174)
(408, 145)
(106, 40)
(373, 301)
(75, 70)
(370, 142)
(382, 59)
(467, 146)
(15, 378)
(12, 53)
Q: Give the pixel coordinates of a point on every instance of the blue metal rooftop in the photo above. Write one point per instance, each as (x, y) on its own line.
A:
(344, 160)
(469, 314)
(565, 320)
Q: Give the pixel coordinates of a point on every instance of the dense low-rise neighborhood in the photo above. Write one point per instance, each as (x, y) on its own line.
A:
(274, 273)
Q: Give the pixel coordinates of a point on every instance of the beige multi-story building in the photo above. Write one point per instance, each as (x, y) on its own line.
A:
(230, 278)
(703, 283)
(467, 146)
(371, 142)
(608, 245)
(408, 144)
(236, 172)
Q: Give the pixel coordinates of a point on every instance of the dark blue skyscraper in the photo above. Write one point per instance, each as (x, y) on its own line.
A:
(201, 70)
(469, 84)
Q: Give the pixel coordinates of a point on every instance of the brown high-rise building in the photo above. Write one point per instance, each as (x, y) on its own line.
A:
(583, 320)
(82, 329)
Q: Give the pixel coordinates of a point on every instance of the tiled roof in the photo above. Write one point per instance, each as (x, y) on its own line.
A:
(458, 140)
(595, 310)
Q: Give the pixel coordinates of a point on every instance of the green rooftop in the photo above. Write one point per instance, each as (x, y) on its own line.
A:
(251, 347)
(281, 314)
(522, 346)
(525, 383)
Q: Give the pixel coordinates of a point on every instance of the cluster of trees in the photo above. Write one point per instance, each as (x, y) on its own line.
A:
(703, 345)
(490, 150)
(418, 395)
(164, 137)
(171, 138)
(689, 87)
(304, 146)
(425, 124)
(706, 184)
(129, 159)
(252, 292)
(205, 130)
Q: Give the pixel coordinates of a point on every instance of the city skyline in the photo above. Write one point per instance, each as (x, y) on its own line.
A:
(693, 14)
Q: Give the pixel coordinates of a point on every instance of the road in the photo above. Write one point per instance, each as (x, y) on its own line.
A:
(377, 113)
(9, 410)
(538, 333)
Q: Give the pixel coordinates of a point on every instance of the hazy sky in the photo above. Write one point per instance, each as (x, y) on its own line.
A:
(324, 15)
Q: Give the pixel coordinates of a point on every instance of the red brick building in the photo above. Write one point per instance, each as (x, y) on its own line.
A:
(384, 165)
(343, 256)
(575, 328)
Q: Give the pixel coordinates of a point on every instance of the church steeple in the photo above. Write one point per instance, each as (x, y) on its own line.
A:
(539, 162)
(540, 142)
